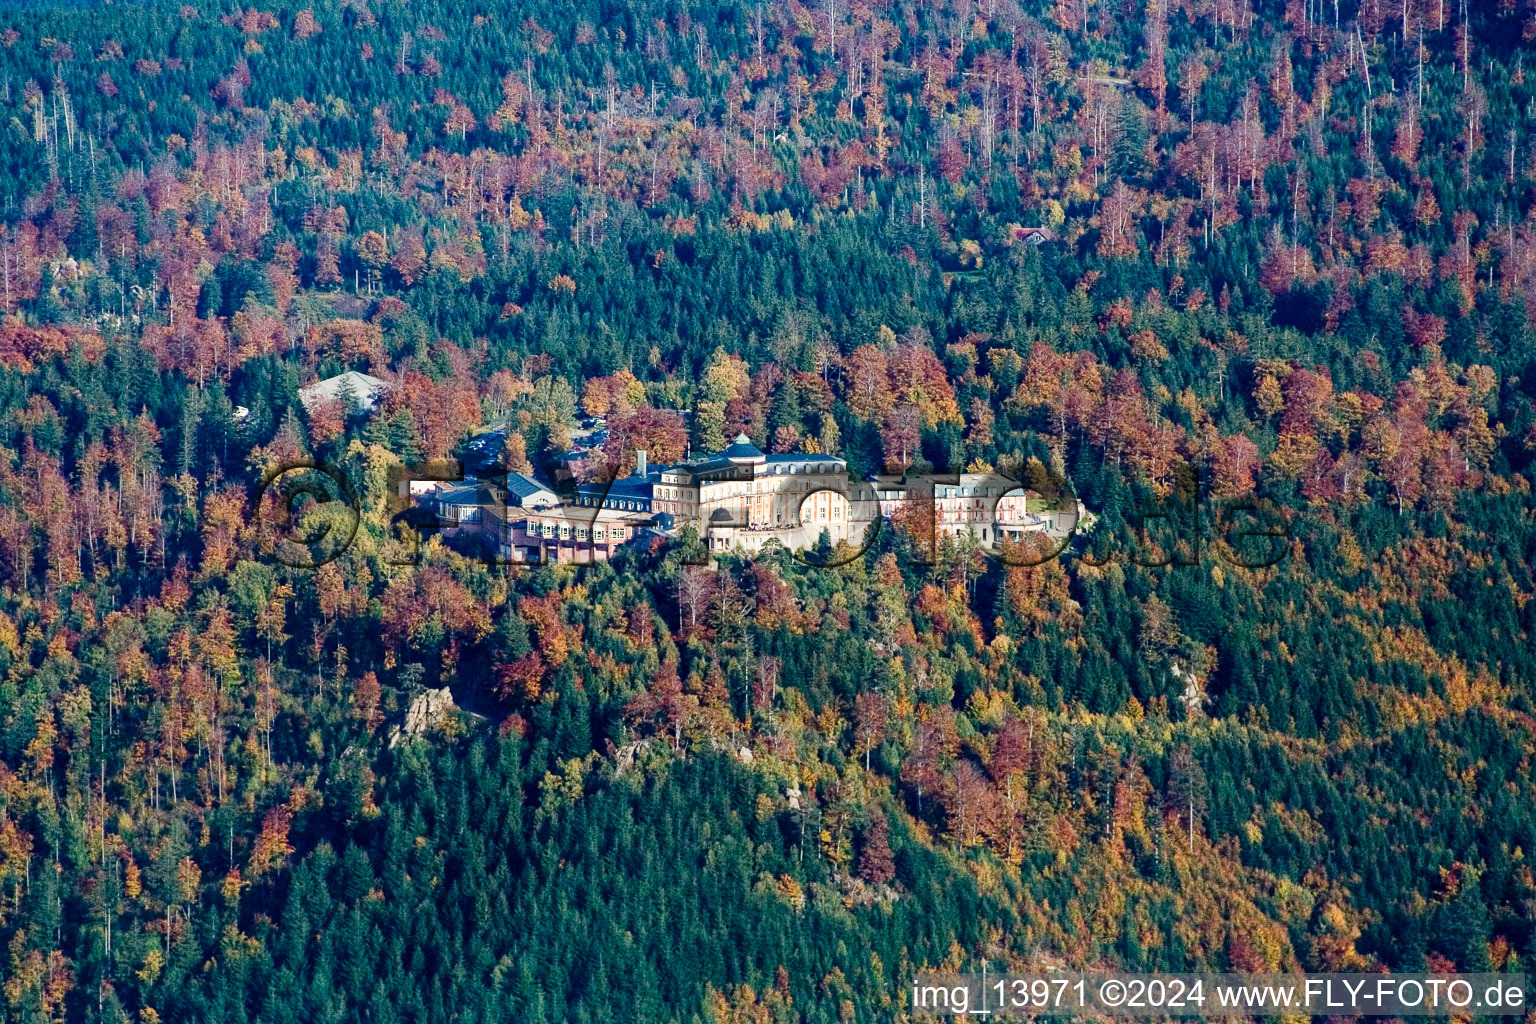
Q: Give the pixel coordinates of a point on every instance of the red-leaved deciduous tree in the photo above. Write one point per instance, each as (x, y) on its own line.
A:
(663, 706)
(877, 865)
(900, 434)
(969, 802)
(410, 257)
(933, 749)
(1234, 466)
(660, 433)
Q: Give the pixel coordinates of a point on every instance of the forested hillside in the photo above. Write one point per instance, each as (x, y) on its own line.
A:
(1287, 272)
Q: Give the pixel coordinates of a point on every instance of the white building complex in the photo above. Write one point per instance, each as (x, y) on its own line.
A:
(740, 499)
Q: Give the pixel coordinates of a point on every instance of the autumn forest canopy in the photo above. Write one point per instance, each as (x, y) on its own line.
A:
(1188, 256)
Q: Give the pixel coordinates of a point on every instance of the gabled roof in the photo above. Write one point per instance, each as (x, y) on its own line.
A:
(1033, 236)
(360, 386)
(524, 487)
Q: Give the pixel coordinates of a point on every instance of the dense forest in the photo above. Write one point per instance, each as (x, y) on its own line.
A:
(1286, 271)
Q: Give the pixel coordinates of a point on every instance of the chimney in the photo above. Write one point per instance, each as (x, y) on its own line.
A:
(640, 470)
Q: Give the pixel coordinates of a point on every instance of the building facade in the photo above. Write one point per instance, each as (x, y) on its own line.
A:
(989, 507)
(569, 534)
(742, 499)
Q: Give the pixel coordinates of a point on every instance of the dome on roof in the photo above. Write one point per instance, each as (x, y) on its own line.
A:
(743, 450)
(719, 515)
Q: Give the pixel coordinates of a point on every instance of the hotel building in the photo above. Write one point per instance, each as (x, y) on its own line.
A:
(739, 500)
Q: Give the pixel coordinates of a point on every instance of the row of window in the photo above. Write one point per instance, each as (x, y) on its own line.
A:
(781, 469)
(618, 504)
(968, 492)
(564, 531)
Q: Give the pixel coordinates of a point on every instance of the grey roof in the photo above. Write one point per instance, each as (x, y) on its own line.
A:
(365, 389)
(628, 487)
(786, 458)
(625, 489)
(522, 486)
(468, 494)
(717, 462)
(744, 451)
(719, 515)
